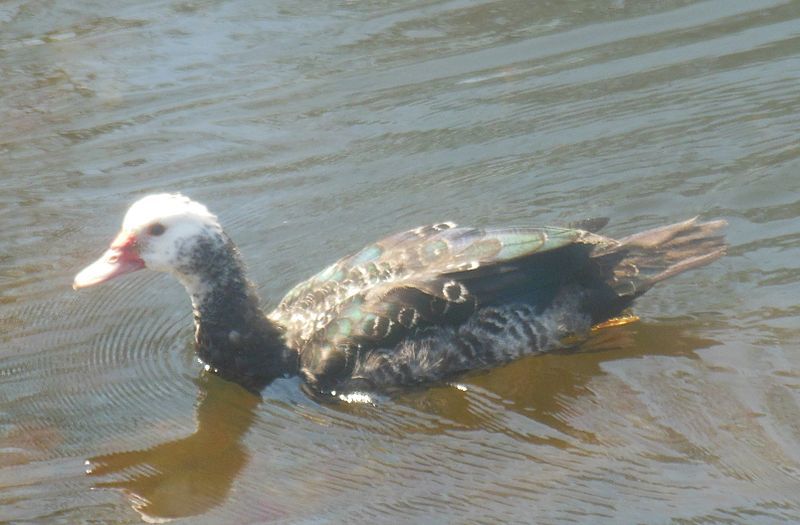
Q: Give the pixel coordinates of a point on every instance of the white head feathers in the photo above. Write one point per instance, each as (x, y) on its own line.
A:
(162, 207)
(167, 226)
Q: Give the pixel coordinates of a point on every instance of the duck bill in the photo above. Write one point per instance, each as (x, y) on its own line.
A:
(119, 259)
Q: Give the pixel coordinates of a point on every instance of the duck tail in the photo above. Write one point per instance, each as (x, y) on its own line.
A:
(637, 262)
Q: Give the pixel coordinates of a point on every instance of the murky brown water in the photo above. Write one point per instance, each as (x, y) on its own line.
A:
(312, 128)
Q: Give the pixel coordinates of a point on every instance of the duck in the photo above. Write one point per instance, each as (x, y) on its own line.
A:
(418, 307)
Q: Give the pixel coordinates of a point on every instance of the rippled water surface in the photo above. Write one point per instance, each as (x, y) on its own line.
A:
(312, 128)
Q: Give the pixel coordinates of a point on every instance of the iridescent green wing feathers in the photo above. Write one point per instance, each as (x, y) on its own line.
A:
(430, 275)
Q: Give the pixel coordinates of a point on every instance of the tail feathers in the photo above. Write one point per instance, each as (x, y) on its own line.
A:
(639, 261)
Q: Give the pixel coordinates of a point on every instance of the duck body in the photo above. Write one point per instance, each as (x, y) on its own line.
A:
(417, 307)
(427, 304)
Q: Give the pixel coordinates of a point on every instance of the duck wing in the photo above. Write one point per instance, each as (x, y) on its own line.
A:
(429, 276)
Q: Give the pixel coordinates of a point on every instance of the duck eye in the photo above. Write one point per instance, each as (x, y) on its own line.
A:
(156, 229)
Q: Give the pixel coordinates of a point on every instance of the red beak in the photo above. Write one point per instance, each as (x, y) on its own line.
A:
(119, 259)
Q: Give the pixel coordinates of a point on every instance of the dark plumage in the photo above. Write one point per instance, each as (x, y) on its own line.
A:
(416, 307)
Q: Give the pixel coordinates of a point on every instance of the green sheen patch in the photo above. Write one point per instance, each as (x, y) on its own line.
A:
(340, 328)
(370, 253)
(516, 245)
(482, 250)
(521, 244)
(354, 311)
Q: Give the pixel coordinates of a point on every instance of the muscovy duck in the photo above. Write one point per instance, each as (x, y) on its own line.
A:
(417, 307)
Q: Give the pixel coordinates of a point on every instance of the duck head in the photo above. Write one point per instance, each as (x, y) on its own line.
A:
(161, 232)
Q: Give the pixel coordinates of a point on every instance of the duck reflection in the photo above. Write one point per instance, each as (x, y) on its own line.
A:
(539, 387)
(188, 476)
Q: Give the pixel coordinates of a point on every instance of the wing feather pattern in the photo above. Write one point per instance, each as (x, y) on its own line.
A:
(432, 275)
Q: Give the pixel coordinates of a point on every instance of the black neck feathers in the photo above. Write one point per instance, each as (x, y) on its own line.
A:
(233, 337)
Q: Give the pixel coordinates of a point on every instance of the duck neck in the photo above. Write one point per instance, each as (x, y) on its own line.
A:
(233, 337)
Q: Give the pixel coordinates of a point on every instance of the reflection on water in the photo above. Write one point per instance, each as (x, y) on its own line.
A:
(312, 129)
(191, 475)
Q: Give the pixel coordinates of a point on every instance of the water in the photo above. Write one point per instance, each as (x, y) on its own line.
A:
(312, 128)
